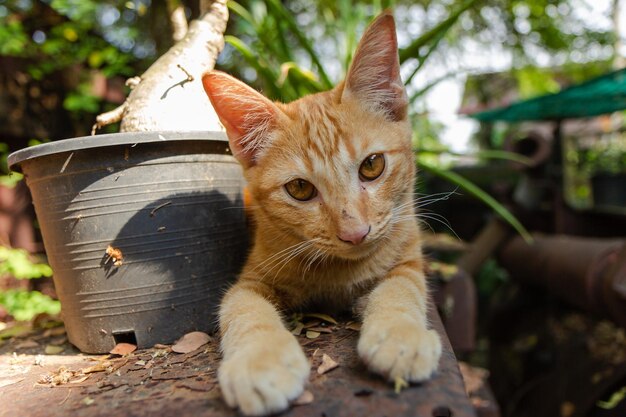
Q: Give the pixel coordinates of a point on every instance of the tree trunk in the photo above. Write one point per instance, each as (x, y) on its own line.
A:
(169, 95)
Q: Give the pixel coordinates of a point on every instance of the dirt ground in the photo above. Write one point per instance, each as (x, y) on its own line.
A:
(41, 374)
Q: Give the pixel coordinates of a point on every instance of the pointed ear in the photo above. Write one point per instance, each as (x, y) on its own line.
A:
(246, 114)
(374, 76)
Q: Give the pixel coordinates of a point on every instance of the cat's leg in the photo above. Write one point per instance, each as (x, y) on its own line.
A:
(263, 366)
(395, 341)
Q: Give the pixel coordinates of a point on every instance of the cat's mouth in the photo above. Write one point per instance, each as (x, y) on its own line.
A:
(366, 248)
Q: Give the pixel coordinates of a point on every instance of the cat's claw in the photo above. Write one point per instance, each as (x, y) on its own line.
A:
(400, 348)
(262, 378)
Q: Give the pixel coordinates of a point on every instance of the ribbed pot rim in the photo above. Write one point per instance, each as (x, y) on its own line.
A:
(112, 139)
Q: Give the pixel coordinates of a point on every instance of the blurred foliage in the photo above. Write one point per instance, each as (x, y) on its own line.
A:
(490, 277)
(70, 43)
(7, 179)
(297, 48)
(292, 48)
(607, 155)
(57, 34)
(532, 28)
(595, 156)
(25, 305)
(18, 263)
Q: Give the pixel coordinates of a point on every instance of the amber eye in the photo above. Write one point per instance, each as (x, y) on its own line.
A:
(372, 167)
(301, 190)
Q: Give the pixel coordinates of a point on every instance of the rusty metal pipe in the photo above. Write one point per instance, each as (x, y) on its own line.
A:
(589, 273)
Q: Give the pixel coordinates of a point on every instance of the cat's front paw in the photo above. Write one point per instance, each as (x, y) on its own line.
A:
(399, 348)
(264, 376)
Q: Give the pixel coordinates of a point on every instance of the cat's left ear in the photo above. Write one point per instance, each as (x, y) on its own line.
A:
(374, 75)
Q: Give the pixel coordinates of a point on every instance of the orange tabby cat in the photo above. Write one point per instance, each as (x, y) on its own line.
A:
(331, 178)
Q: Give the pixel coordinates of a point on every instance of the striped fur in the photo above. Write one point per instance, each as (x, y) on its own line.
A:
(298, 260)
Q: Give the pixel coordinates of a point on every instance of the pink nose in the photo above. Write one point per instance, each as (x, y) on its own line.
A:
(356, 235)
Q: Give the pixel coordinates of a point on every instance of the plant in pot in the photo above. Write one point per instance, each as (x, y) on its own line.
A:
(605, 165)
(144, 228)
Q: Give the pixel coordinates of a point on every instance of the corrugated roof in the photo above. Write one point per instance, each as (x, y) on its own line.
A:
(601, 95)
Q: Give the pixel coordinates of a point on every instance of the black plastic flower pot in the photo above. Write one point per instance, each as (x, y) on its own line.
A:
(144, 231)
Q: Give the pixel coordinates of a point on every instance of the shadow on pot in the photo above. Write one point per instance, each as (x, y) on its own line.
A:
(174, 259)
(143, 231)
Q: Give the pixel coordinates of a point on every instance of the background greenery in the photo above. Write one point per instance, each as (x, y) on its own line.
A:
(65, 61)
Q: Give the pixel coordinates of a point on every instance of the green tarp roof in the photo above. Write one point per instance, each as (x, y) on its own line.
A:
(601, 95)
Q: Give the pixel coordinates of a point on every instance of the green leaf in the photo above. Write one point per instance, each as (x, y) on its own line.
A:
(263, 70)
(616, 398)
(484, 154)
(434, 34)
(239, 10)
(10, 180)
(286, 16)
(477, 192)
(24, 305)
(18, 263)
(301, 77)
(13, 39)
(76, 102)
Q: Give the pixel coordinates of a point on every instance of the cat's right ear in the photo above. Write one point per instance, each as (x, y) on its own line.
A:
(246, 114)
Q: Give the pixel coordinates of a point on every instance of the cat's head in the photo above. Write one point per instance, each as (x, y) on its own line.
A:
(334, 167)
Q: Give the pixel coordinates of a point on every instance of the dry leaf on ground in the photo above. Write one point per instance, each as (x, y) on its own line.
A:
(310, 334)
(328, 364)
(79, 380)
(312, 323)
(305, 398)
(53, 350)
(298, 329)
(473, 377)
(88, 401)
(161, 346)
(10, 382)
(58, 377)
(323, 317)
(100, 367)
(55, 331)
(27, 344)
(320, 329)
(16, 329)
(354, 326)
(123, 349)
(58, 341)
(190, 342)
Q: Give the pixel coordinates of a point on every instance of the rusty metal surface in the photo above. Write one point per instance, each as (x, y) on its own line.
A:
(588, 273)
(455, 297)
(479, 390)
(185, 385)
(548, 359)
